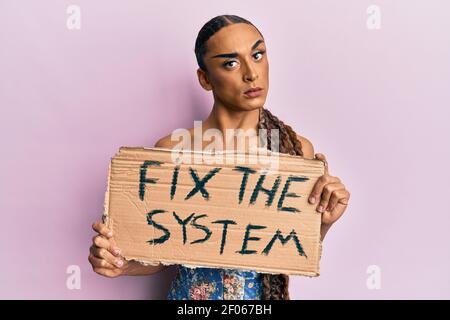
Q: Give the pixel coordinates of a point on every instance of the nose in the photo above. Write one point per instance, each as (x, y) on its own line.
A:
(250, 73)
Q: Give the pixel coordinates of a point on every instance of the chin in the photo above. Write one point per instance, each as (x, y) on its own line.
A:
(254, 104)
(248, 107)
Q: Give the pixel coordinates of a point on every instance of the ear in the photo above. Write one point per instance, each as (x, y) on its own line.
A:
(204, 80)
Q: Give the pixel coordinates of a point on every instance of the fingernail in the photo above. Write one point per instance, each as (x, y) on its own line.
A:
(312, 200)
(110, 234)
(116, 251)
(320, 208)
(119, 263)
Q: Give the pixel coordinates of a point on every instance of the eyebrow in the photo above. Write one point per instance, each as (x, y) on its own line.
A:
(235, 54)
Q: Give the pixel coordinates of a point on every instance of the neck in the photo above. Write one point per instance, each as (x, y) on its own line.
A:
(223, 118)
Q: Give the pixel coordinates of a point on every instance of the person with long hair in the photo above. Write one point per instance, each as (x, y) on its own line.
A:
(233, 63)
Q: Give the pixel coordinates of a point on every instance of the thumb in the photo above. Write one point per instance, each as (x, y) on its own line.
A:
(321, 156)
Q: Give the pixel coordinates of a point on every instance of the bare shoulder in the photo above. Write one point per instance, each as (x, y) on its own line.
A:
(165, 142)
(307, 147)
(169, 142)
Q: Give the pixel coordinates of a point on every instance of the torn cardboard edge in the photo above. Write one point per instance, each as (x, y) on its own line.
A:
(168, 263)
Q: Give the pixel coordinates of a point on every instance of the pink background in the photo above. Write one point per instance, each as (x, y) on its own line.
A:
(375, 102)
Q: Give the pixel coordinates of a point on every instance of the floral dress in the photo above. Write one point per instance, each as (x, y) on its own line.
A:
(215, 284)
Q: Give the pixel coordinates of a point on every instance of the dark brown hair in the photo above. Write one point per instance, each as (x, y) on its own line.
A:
(275, 286)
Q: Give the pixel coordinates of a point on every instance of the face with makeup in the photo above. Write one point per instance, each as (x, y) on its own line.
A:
(236, 61)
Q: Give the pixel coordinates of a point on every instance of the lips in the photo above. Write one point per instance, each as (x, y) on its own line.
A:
(252, 90)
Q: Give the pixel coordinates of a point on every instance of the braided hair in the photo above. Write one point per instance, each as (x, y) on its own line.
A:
(275, 286)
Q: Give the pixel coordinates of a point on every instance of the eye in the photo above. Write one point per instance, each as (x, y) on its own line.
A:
(227, 64)
(261, 53)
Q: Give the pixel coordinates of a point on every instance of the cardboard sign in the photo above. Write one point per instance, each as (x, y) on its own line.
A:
(207, 215)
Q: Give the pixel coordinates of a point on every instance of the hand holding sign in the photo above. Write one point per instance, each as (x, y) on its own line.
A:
(107, 260)
(333, 197)
(104, 256)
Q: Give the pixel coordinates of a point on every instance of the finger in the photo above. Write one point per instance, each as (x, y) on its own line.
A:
(321, 156)
(100, 263)
(333, 201)
(108, 272)
(102, 253)
(330, 217)
(326, 195)
(327, 218)
(337, 196)
(319, 185)
(102, 229)
(102, 242)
